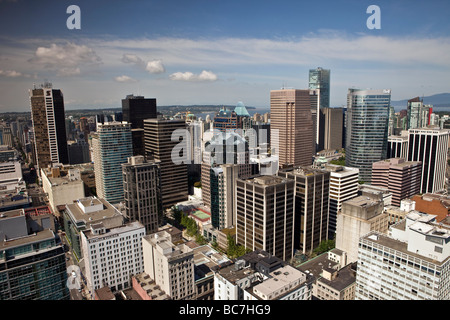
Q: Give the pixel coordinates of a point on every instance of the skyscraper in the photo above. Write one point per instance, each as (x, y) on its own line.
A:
(265, 215)
(367, 129)
(142, 194)
(47, 114)
(111, 147)
(430, 147)
(160, 146)
(135, 109)
(291, 125)
(320, 79)
(312, 191)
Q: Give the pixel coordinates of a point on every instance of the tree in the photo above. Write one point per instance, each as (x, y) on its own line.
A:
(324, 246)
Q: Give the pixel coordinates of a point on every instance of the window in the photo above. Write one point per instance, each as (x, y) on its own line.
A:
(437, 249)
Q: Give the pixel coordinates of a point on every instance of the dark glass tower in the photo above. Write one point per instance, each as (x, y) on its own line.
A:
(135, 109)
(47, 114)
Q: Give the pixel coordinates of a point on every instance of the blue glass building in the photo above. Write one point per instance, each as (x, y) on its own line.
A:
(367, 129)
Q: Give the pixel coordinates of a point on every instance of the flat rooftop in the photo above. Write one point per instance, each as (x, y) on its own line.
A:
(45, 234)
(113, 231)
(78, 214)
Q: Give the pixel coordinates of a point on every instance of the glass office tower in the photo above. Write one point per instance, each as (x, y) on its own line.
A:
(367, 129)
(112, 145)
(320, 79)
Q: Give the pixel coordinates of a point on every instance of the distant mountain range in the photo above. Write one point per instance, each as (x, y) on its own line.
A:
(439, 101)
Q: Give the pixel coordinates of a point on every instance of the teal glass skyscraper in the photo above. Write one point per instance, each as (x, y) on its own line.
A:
(112, 145)
(367, 129)
(320, 79)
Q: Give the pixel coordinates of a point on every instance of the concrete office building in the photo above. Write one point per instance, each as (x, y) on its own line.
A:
(112, 255)
(170, 266)
(62, 187)
(343, 187)
(358, 217)
(265, 215)
(410, 263)
(159, 146)
(79, 215)
(292, 136)
(32, 259)
(142, 192)
(112, 146)
(49, 126)
(312, 189)
(401, 177)
(285, 283)
(429, 146)
(367, 129)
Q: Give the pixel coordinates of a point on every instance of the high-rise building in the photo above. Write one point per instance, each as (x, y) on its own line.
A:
(32, 259)
(343, 187)
(142, 194)
(359, 216)
(135, 109)
(320, 79)
(224, 148)
(312, 190)
(111, 147)
(265, 215)
(418, 115)
(333, 128)
(429, 146)
(160, 146)
(291, 125)
(222, 181)
(49, 125)
(112, 255)
(410, 263)
(398, 147)
(367, 129)
(401, 177)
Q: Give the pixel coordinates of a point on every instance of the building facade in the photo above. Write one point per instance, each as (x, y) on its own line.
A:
(401, 177)
(49, 126)
(142, 192)
(112, 255)
(429, 146)
(159, 146)
(112, 146)
(265, 215)
(367, 129)
(410, 263)
(312, 190)
(292, 135)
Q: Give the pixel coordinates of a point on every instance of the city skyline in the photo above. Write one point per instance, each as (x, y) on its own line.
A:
(219, 53)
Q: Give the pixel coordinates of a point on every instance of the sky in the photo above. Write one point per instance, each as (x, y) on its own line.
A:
(219, 52)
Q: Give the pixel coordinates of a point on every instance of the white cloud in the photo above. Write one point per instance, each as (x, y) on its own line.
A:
(15, 74)
(124, 78)
(189, 76)
(67, 59)
(152, 66)
(155, 66)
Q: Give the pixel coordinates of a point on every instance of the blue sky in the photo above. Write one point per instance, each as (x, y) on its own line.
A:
(219, 52)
